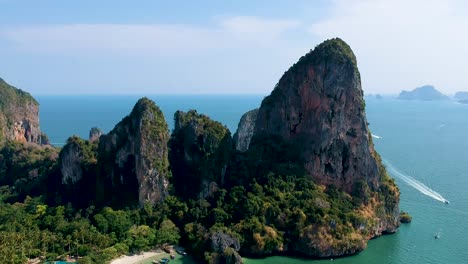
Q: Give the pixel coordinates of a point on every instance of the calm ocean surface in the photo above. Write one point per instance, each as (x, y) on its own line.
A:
(427, 141)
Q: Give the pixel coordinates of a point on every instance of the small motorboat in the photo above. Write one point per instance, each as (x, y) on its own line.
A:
(437, 236)
(446, 202)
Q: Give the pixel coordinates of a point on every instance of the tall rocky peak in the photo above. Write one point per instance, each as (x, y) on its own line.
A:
(133, 157)
(19, 115)
(245, 130)
(200, 149)
(317, 108)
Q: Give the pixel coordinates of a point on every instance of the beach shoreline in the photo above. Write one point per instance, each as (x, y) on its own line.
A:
(135, 259)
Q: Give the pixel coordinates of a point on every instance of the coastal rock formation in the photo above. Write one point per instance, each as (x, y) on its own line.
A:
(225, 249)
(133, 157)
(424, 93)
(318, 109)
(71, 158)
(126, 167)
(200, 149)
(316, 116)
(245, 130)
(95, 133)
(76, 158)
(19, 115)
(78, 163)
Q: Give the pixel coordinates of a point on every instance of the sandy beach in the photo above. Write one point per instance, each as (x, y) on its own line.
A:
(135, 258)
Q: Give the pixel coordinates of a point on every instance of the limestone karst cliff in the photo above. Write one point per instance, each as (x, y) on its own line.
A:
(127, 166)
(19, 115)
(317, 107)
(315, 118)
(245, 130)
(200, 149)
(133, 157)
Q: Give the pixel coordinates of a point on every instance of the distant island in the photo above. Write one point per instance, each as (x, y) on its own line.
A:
(462, 95)
(423, 93)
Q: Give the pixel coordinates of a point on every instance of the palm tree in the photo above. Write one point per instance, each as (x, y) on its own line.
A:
(45, 242)
(68, 242)
(53, 239)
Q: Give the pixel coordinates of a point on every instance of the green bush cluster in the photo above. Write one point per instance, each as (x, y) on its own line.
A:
(31, 229)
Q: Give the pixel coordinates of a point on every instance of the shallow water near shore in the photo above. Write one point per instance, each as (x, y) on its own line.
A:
(427, 141)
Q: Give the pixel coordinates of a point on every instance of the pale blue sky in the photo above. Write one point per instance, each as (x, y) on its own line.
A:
(177, 47)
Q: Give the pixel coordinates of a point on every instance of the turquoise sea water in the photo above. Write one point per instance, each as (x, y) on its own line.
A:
(63, 116)
(427, 141)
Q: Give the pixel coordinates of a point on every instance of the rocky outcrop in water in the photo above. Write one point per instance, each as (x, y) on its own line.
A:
(19, 115)
(200, 149)
(424, 93)
(245, 130)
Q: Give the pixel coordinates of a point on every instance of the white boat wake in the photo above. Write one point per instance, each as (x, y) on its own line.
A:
(375, 136)
(415, 183)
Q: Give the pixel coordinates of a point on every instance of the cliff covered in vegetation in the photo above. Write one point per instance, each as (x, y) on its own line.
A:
(301, 176)
(19, 116)
(125, 167)
(200, 149)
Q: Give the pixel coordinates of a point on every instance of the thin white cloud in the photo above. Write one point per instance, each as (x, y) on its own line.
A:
(147, 40)
(401, 44)
(232, 54)
(253, 25)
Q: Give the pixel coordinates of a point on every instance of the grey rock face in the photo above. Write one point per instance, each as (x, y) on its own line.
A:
(245, 130)
(71, 158)
(317, 111)
(19, 115)
(220, 241)
(134, 155)
(318, 108)
(226, 249)
(95, 133)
